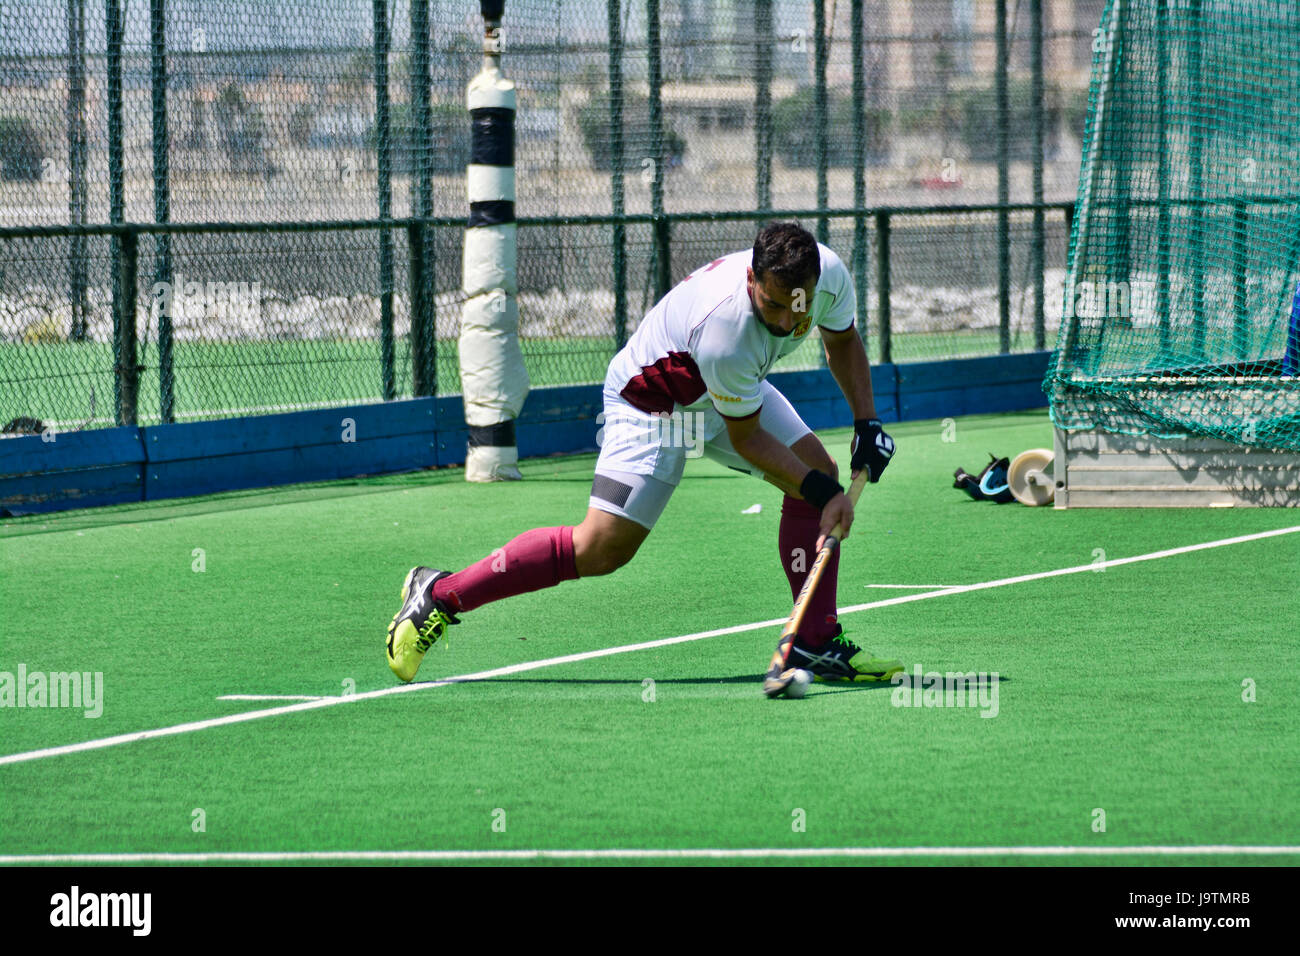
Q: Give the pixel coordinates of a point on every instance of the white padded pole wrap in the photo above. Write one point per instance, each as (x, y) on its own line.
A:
(492, 463)
(493, 379)
(489, 260)
(487, 183)
(492, 374)
(490, 90)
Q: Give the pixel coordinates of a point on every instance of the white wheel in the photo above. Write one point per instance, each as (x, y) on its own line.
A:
(1031, 477)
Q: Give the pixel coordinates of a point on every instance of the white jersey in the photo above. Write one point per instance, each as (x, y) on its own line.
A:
(703, 345)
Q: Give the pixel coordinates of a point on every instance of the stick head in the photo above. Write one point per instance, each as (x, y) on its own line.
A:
(777, 681)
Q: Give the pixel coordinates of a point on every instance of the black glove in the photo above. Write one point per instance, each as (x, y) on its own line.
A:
(871, 448)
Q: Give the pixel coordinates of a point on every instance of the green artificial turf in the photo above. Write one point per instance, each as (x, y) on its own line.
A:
(1119, 690)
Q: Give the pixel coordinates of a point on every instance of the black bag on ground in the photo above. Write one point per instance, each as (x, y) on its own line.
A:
(990, 484)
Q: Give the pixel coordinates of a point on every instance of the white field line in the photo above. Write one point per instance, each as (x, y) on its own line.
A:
(272, 697)
(198, 725)
(1097, 566)
(208, 724)
(911, 587)
(453, 856)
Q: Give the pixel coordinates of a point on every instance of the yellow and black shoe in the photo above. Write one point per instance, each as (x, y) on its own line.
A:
(839, 659)
(420, 623)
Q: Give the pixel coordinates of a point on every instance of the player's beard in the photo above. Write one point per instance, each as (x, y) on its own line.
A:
(772, 329)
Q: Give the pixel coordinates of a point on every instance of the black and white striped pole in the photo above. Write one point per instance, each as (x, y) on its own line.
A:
(494, 382)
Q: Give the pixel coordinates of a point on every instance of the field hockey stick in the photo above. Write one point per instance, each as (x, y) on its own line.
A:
(778, 674)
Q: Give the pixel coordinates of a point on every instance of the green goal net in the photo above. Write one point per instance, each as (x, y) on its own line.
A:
(1181, 313)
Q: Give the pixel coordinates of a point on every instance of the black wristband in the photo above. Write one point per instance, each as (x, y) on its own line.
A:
(818, 488)
(861, 423)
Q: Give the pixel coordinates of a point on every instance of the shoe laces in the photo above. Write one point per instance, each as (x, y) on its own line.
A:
(845, 642)
(435, 628)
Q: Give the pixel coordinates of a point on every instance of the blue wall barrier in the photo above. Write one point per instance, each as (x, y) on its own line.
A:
(83, 469)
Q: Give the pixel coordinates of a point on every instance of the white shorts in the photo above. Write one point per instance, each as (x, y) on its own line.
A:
(643, 455)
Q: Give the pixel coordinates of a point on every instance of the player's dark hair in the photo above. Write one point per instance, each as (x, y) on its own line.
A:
(788, 252)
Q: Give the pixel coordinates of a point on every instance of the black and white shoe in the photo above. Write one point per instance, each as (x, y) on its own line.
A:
(839, 659)
(419, 623)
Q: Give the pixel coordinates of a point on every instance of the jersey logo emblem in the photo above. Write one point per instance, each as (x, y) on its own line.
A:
(801, 328)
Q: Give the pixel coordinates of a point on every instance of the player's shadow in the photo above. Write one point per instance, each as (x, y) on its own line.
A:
(971, 686)
(584, 478)
(636, 682)
(968, 686)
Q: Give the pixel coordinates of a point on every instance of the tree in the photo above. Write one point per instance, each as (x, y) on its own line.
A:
(20, 149)
(243, 132)
(978, 113)
(593, 120)
(792, 121)
(449, 139)
(301, 121)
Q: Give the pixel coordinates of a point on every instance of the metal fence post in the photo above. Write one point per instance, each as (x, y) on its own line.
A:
(76, 119)
(1116, 125)
(763, 104)
(424, 319)
(116, 198)
(1240, 325)
(384, 182)
(1162, 173)
(124, 331)
(859, 166)
(1037, 251)
(1196, 160)
(162, 203)
(882, 284)
(1004, 183)
(663, 256)
(821, 54)
(654, 53)
(418, 294)
(618, 237)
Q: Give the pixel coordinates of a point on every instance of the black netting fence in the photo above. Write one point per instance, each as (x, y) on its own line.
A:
(257, 116)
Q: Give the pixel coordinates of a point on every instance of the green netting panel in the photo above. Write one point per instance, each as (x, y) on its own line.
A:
(1186, 248)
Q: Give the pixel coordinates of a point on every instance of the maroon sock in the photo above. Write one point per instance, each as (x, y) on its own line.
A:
(800, 529)
(537, 559)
